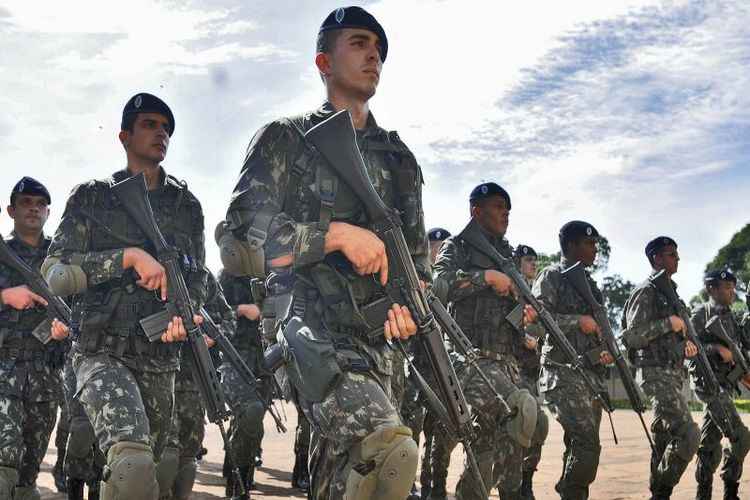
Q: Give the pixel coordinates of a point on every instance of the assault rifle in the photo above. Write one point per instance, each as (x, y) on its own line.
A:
(56, 307)
(741, 364)
(335, 139)
(710, 383)
(133, 195)
(576, 276)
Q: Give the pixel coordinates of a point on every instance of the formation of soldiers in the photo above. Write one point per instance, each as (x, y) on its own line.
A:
(303, 266)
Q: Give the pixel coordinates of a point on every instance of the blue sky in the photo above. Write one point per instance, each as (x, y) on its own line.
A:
(632, 115)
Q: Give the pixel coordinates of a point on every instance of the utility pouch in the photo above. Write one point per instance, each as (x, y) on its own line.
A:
(593, 356)
(42, 331)
(515, 318)
(311, 363)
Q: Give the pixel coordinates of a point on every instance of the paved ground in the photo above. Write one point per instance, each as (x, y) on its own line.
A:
(623, 473)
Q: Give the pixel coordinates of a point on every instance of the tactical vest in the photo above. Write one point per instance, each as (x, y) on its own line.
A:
(729, 323)
(17, 342)
(570, 302)
(482, 316)
(114, 307)
(331, 288)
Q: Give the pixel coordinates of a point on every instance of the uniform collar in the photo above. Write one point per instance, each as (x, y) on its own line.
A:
(327, 109)
(123, 174)
(716, 307)
(16, 239)
(654, 273)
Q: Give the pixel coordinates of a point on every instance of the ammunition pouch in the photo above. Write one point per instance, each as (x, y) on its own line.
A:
(311, 362)
(663, 352)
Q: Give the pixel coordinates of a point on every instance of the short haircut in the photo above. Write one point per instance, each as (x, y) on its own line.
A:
(128, 122)
(326, 40)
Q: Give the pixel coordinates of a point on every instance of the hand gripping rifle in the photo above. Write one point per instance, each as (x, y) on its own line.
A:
(133, 195)
(577, 362)
(576, 276)
(710, 383)
(56, 307)
(739, 358)
(335, 139)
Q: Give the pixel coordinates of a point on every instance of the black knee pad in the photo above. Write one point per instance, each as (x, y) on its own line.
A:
(583, 471)
(81, 438)
(689, 435)
(250, 419)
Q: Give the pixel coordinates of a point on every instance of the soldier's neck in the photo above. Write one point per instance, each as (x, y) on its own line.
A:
(359, 109)
(31, 237)
(150, 171)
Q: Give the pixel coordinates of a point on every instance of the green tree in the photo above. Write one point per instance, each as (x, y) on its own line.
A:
(616, 291)
(735, 255)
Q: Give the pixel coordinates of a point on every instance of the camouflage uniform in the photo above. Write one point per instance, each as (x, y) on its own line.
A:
(61, 440)
(660, 353)
(289, 193)
(567, 395)
(29, 380)
(714, 427)
(481, 313)
(246, 428)
(125, 383)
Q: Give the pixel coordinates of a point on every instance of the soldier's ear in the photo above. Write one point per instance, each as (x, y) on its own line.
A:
(323, 62)
(124, 138)
(11, 211)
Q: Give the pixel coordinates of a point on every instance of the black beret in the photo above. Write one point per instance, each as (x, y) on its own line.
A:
(524, 251)
(575, 230)
(438, 234)
(486, 190)
(719, 275)
(356, 17)
(657, 245)
(29, 185)
(147, 103)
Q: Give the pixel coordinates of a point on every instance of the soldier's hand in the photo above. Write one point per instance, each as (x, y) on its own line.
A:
(678, 326)
(59, 330)
(361, 247)
(176, 331)
(399, 324)
(151, 274)
(499, 282)
(529, 315)
(530, 343)
(746, 381)
(589, 326)
(726, 354)
(20, 298)
(606, 358)
(690, 349)
(248, 311)
(209, 341)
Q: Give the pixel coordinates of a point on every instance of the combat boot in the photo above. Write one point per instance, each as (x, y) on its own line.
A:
(27, 493)
(93, 490)
(661, 492)
(438, 488)
(300, 476)
(704, 491)
(413, 494)
(75, 488)
(58, 473)
(730, 490)
(527, 491)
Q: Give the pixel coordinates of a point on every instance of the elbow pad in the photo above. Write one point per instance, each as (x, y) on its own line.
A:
(239, 258)
(64, 280)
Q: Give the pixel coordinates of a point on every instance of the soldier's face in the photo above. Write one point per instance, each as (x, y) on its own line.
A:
(668, 259)
(493, 215)
(353, 67)
(149, 139)
(723, 292)
(434, 249)
(584, 250)
(29, 212)
(528, 267)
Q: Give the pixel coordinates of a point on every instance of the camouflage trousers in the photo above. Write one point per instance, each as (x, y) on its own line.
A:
(710, 448)
(188, 424)
(246, 427)
(124, 404)
(573, 406)
(359, 405)
(83, 460)
(533, 455)
(28, 412)
(500, 457)
(674, 431)
(413, 414)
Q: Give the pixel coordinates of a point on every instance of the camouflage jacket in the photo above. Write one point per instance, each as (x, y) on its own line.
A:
(28, 368)
(93, 233)
(647, 330)
(480, 311)
(278, 196)
(567, 307)
(247, 336)
(700, 317)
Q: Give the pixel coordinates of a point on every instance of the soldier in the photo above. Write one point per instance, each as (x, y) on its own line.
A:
(706, 317)
(651, 330)
(480, 298)
(528, 353)
(126, 383)
(178, 465)
(413, 410)
(567, 395)
(29, 370)
(246, 428)
(289, 203)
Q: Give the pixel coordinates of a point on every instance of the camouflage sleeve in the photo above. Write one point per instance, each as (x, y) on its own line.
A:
(259, 195)
(698, 319)
(220, 311)
(197, 281)
(70, 243)
(450, 282)
(642, 328)
(545, 290)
